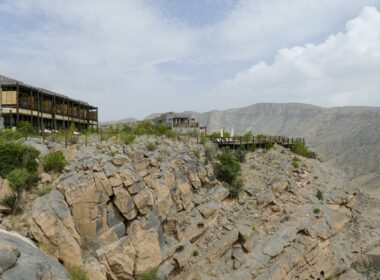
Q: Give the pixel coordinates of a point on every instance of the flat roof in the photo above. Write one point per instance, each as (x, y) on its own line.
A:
(5, 81)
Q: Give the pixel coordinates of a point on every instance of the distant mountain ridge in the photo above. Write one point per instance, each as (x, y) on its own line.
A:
(348, 136)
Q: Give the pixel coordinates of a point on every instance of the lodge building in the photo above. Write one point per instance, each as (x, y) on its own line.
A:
(44, 109)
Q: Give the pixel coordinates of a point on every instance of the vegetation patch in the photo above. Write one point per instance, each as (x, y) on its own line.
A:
(15, 155)
(150, 275)
(78, 273)
(319, 195)
(301, 149)
(151, 146)
(54, 161)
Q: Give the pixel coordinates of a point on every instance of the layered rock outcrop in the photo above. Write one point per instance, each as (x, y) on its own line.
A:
(136, 211)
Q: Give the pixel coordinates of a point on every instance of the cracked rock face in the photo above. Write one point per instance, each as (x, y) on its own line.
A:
(164, 210)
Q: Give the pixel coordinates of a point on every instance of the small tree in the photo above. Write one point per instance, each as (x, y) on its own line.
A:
(15, 155)
(54, 161)
(19, 179)
(228, 168)
(26, 129)
(128, 138)
(248, 136)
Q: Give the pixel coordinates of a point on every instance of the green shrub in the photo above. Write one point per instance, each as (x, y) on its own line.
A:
(203, 140)
(26, 129)
(248, 137)
(113, 153)
(269, 145)
(228, 168)
(10, 201)
(54, 161)
(19, 179)
(319, 195)
(197, 154)
(235, 188)
(240, 155)
(210, 153)
(195, 253)
(10, 135)
(301, 149)
(295, 159)
(151, 146)
(128, 138)
(78, 273)
(295, 164)
(15, 155)
(150, 275)
(316, 211)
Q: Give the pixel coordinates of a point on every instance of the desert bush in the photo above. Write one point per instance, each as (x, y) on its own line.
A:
(78, 273)
(214, 135)
(151, 146)
(302, 150)
(247, 137)
(10, 201)
(236, 187)
(26, 129)
(210, 153)
(150, 275)
(240, 155)
(203, 140)
(54, 161)
(269, 145)
(128, 138)
(295, 164)
(197, 154)
(228, 168)
(319, 195)
(15, 155)
(195, 253)
(10, 135)
(316, 211)
(19, 179)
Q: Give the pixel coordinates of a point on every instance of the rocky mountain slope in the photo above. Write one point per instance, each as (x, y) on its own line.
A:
(122, 211)
(348, 136)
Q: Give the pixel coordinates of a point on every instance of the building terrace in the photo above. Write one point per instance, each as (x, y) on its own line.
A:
(44, 109)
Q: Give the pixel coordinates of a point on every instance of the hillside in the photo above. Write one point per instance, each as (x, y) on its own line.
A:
(348, 136)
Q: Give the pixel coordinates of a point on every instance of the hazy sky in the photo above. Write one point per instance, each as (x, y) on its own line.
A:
(134, 57)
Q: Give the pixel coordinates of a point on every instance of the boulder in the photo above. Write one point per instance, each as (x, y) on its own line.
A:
(119, 160)
(51, 224)
(146, 236)
(223, 244)
(144, 200)
(125, 203)
(208, 209)
(20, 259)
(94, 269)
(119, 258)
(184, 254)
(128, 176)
(5, 189)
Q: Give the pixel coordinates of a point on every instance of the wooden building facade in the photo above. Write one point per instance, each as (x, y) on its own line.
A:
(44, 109)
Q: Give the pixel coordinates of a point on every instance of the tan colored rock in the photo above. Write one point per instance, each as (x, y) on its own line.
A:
(119, 160)
(146, 243)
(128, 176)
(144, 200)
(52, 225)
(141, 164)
(5, 189)
(208, 209)
(116, 181)
(222, 245)
(183, 194)
(46, 178)
(119, 258)
(125, 203)
(185, 253)
(101, 180)
(94, 269)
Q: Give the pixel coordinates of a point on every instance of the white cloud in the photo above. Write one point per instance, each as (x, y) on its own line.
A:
(108, 52)
(343, 70)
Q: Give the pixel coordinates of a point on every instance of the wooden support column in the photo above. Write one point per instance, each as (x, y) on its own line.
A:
(17, 104)
(54, 113)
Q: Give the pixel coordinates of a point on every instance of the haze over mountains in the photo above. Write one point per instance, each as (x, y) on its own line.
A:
(349, 137)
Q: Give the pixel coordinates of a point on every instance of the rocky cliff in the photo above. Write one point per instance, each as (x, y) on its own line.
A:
(122, 211)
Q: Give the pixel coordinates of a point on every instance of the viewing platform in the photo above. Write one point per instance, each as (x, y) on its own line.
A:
(258, 142)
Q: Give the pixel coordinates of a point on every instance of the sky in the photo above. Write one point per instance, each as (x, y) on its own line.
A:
(135, 57)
